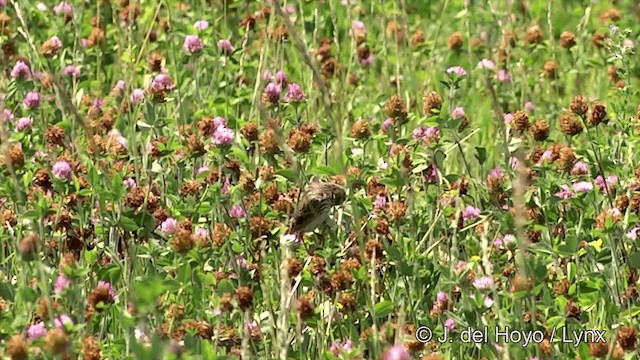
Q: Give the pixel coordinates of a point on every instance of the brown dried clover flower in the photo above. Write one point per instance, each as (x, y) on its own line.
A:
(567, 39)
(534, 35)
(305, 306)
(540, 130)
(183, 242)
(566, 158)
(395, 108)
(269, 142)
(520, 121)
(579, 105)
(299, 141)
(294, 267)
(360, 129)
(250, 131)
(373, 250)
(551, 69)
(221, 234)
(570, 125)
(57, 341)
(431, 101)
(417, 38)
(244, 297)
(18, 348)
(455, 41)
(612, 14)
(395, 30)
(259, 226)
(598, 114)
(627, 337)
(348, 301)
(598, 40)
(155, 60)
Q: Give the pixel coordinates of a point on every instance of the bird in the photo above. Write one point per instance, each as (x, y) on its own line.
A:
(314, 207)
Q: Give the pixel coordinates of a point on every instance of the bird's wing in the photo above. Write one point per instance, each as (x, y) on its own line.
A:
(304, 216)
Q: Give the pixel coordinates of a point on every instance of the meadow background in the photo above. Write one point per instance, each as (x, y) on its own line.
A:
(153, 154)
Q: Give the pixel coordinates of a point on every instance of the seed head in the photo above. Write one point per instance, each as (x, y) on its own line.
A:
(579, 105)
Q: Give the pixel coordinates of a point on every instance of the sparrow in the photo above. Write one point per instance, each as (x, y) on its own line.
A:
(315, 206)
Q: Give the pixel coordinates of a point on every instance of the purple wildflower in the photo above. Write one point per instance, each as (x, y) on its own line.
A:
(508, 239)
(442, 297)
(565, 192)
(62, 282)
(546, 156)
(458, 70)
(63, 8)
(36, 331)
(272, 92)
(381, 202)
(504, 76)
(8, 115)
(62, 170)
(582, 186)
(508, 118)
(129, 183)
(193, 44)
(201, 233)
(201, 25)
(368, 60)
(32, 99)
(137, 96)
(56, 42)
(62, 321)
(281, 77)
(294, 93)
(72, 71)
(242, 262)
(169, 226)
(470, 212)
(633, 233)
(529, 106)
(431, 174)
(226, 185)
(580, 168)
(21, 71)
(357, 25)
(120, 86)
(225, 46)
(237, 212)
(223, 136)
(162, 82)
(611, 181)
(427, 135)
(486, 64)
(219, 121)
(496, 173)
(202, 169)
(24, 123)
(267, 75)
(484, 282)
(340, 348)
(386, 123)
(458, 112)
(488, 302)
(396, 352)
(450, 324)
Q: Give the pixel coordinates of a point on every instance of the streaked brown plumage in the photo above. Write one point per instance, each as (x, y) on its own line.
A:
(314, 207)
